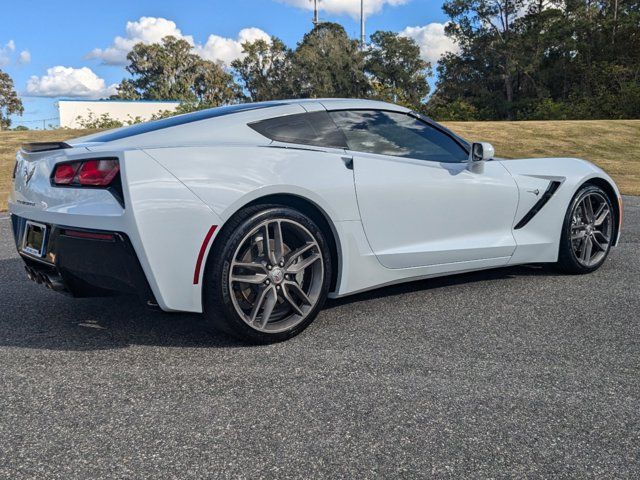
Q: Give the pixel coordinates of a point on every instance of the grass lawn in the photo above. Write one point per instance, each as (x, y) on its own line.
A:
(613, 145)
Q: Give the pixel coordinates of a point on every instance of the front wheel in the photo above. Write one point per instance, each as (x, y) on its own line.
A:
(270, 276)
(587, 231)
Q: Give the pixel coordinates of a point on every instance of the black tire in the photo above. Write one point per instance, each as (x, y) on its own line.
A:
(568, 259)
(222, 311)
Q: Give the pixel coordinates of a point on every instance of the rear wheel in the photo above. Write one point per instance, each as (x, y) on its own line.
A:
(270, 276)
(587, 232)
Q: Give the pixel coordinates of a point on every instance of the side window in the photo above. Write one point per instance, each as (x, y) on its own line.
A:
(314, 128)
(397, 135)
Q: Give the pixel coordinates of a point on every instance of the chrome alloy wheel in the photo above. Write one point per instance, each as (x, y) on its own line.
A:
(591, 229)
(276, 275)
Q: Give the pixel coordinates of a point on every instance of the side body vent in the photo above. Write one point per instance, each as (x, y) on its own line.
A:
(546, 196)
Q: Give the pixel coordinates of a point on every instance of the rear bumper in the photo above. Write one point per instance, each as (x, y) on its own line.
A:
(85, 263)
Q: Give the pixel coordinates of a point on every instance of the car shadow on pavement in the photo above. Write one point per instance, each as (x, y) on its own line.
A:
(34, 317)
(446, 281)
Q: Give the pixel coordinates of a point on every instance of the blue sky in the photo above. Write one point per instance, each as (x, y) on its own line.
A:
(46, 45)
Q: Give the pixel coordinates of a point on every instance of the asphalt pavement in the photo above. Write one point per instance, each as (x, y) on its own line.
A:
(517, 372)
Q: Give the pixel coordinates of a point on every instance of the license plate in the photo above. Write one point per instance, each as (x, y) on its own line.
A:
(35, 236)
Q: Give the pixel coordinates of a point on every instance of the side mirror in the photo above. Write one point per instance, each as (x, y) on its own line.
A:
(482, 151)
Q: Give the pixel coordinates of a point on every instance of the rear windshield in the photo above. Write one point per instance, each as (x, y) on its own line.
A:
(147, 127)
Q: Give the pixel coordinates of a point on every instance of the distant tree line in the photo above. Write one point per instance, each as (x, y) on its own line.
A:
(540, 59)
(326, 63)
(515, 60)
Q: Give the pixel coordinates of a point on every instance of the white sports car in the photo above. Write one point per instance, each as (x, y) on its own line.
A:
(253, 214)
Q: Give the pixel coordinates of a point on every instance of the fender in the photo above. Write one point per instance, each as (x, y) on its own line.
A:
(539, 239)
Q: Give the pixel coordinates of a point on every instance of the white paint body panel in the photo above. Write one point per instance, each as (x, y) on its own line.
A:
(418, 213)
(393, 220)
(164, 220)
(539, 240)
(226, 186)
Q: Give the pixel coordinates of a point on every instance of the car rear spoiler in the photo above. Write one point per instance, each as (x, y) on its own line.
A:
(44, 146)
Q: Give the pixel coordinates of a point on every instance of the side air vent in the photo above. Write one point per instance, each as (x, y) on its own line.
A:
(44, 146)
(546, 196)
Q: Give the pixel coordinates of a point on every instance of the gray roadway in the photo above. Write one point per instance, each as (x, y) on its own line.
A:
(510, 373)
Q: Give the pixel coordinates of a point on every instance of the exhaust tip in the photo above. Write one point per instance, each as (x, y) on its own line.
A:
(29, 271)
(41, 278)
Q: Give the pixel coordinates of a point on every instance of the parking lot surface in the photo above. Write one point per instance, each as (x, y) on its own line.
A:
(517, 372)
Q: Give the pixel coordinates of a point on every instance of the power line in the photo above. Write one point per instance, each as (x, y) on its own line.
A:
(42, 121)
(38, 120)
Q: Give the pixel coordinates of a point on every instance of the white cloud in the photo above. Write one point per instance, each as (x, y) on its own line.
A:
(146, 30)
(150, 30)
(432, 41)
(69, 82)
(226, 50)
(348, 7)
(6, 51)
(24, 57)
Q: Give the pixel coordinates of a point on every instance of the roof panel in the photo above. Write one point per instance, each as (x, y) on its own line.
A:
(153, 126)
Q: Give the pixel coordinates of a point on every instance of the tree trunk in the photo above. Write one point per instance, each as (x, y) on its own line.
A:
(508, 86)
(615, 22)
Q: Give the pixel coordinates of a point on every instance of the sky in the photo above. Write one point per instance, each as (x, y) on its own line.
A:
(77, 49)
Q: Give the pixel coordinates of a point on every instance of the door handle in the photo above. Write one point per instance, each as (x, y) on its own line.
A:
(348, 162)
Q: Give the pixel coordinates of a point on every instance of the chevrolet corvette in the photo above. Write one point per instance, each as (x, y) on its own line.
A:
(254, 214)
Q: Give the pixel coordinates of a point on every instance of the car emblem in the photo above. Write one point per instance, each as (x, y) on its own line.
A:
(277, 275)
(28, 173)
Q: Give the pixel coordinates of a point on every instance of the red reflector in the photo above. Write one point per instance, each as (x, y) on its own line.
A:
(203, 249)
(98, 172)
(65, 173)
(90, 235)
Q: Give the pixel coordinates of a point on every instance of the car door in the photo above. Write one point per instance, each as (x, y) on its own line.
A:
(421, 202)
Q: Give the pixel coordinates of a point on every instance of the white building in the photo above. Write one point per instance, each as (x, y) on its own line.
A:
(71, 111)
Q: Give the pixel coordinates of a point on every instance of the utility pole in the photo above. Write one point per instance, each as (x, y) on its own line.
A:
(316, 19)
(362, 26)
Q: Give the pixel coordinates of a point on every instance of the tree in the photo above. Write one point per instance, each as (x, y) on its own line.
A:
(10, 103)
(171, 71)
(213, 86)
(396, 71)
(484, 30)
(127, 90)
(327, 63)
(265, 72)
(538, 59)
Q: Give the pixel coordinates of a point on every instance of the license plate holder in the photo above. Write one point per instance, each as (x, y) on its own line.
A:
(34, 240)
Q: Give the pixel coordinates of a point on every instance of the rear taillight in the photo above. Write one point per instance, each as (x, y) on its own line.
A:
(86, 173)
(65, 173)
(98, 173)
